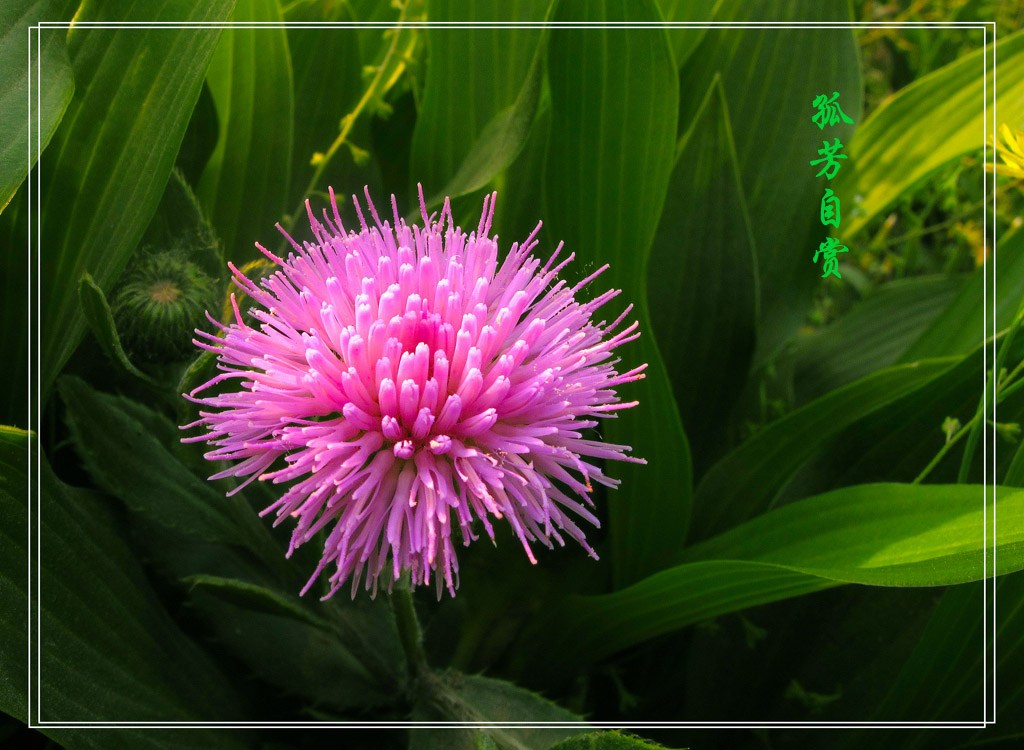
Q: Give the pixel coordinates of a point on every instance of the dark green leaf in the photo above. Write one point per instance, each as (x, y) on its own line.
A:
(873, 335)
(502, 139)
(706, 307)
(126, 459)
(200, 138)
(257, 598)
(884, 534)
(108, 649)
(926, 124)
(245, 183)
(101, 321)
(14, 287)
(328, 83)
(961, 327)
(746, 481)
(111, 156)
(685, 39)
(52, 80)
(453, 696)
(478, 82)
(605, 741)
(613, 130)
(775, 137)
(895, 443)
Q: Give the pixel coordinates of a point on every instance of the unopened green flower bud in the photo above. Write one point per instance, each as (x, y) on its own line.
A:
(161, 300)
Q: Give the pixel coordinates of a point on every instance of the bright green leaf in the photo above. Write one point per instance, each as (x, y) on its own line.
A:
(923, 126)
(110, 159)
(606, 741)
(882, 534)
(685, 39)
(52, 80)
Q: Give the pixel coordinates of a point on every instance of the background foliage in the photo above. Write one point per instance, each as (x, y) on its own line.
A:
(807, 541)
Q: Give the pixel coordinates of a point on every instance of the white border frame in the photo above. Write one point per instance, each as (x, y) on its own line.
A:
(34, 720)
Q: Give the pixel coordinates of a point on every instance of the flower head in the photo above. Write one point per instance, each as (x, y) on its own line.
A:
(406, 380)
(1012, 152)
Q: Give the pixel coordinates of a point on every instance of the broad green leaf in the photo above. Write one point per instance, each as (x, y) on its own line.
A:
(328, 83)
(52, 81)
(775, 137)
(301, 659)
(126, 459)
(705, 310)
(961, 327)
(245, 183)
(97, 313)
(256, 598)
(503, 138)
(109, 651)
(473, 76)
(873, 335)
(453, 696)
(605, 741)
(200, 138)
(745, 482)
(923, 126)
(111, 156)
(610, 153)
(882, 535)
(685, 39)
(895, 443)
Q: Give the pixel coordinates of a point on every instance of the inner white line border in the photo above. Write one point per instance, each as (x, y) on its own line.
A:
(35, 722)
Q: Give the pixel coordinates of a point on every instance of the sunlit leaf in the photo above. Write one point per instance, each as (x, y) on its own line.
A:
(883, 534)
(926, 124)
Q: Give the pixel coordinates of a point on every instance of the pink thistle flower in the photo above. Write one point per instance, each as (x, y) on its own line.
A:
(410, 381)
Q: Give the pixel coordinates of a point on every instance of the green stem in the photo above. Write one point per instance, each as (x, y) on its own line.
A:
(984, 405)
(409, 629)
(349, 120)
(945, 449)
